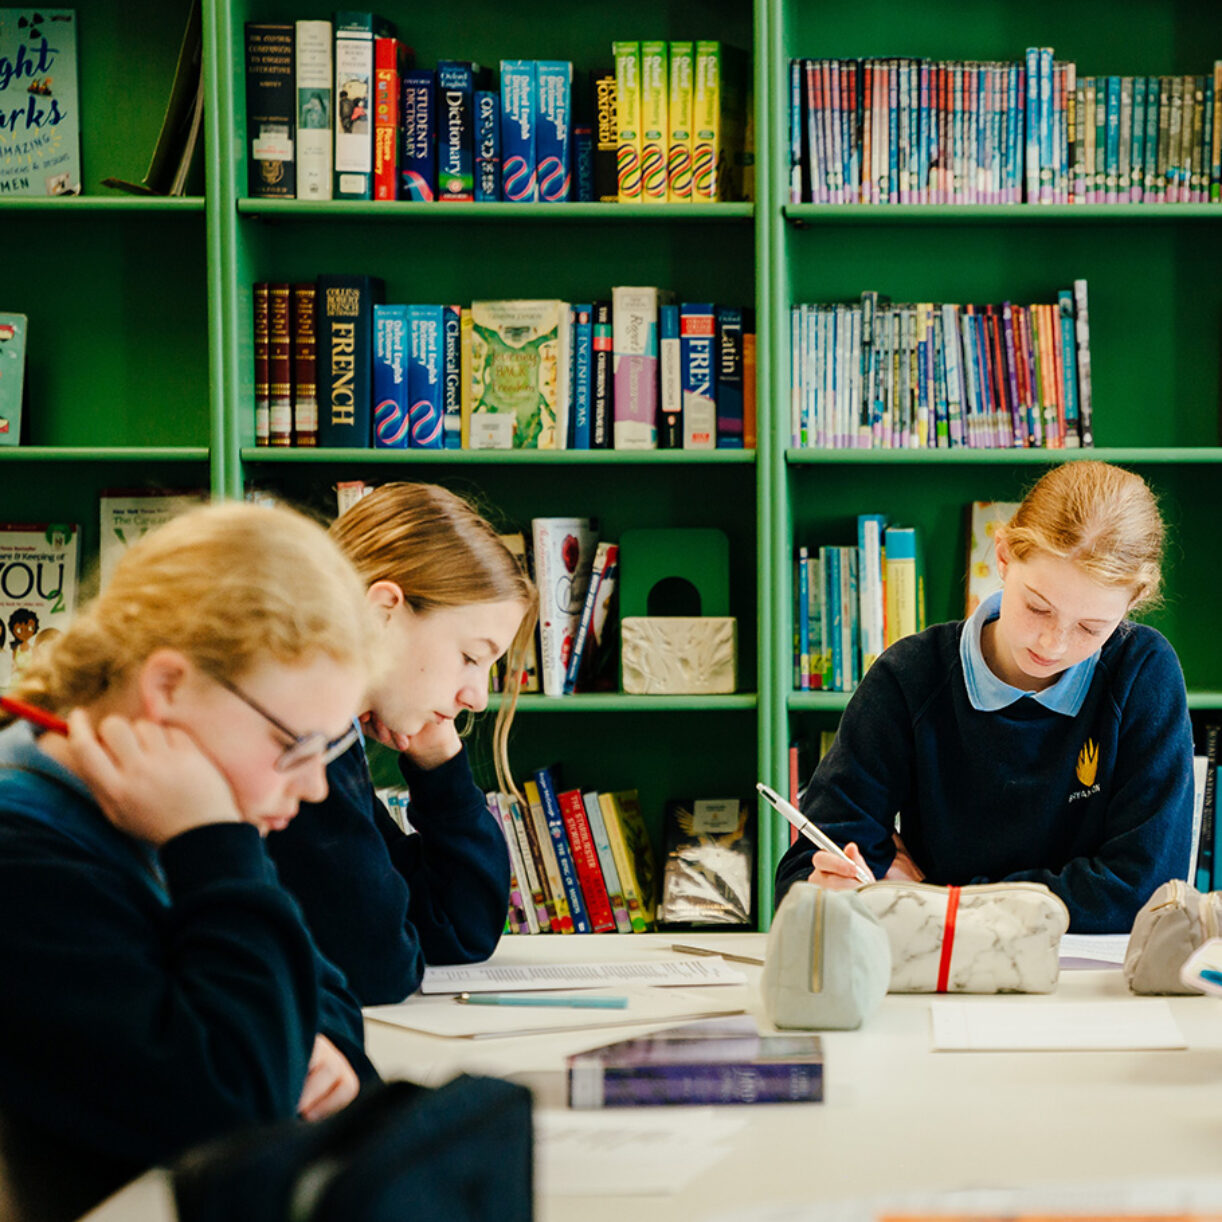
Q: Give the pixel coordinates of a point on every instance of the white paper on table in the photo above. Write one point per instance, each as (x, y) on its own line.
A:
(1022, 1026)
(585, 1153)
(507, 977)
(444, 1016)
(1093, 950)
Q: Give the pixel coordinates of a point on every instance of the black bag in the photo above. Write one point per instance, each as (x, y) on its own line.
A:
(460, 1153)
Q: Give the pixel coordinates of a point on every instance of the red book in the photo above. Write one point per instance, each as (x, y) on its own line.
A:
(388, 58)
(585, 858)
(305, 366)
(262, 343)
(280, 366)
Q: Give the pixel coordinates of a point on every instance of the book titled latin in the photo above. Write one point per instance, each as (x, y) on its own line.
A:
(39, 569)
(717, 1060)
(40, 135)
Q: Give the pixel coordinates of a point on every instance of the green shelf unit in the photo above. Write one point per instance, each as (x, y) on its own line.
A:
(1153, 275)
(266, 455)
(501, 213)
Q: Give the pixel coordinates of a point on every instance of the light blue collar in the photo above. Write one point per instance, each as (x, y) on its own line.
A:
(988, 693)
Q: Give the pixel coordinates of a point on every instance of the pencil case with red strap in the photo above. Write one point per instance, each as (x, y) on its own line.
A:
(983, 938)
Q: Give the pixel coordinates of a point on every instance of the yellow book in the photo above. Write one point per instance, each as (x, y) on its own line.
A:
(679, 121)
(655, 132)
(563, 918)
(633, 853)
(628, 120)
(718, 122)
(905, 583)
(466, 325)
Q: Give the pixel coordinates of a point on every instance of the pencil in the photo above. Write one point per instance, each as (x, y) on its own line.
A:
(34, 715)
(723, 954)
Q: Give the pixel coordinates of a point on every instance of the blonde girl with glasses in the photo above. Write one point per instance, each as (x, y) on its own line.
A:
(1044, 739)
(161, 986)
(450, 600)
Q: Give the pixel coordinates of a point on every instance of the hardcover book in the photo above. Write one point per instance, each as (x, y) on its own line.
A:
(418, 150)
(718, 1060)
(655, 134)
(260, 313)
(519, 375)
(729, 378)
(280, 365)
(606, 861)
(519, 93)
(40, 138)
(697, 346)
(389, 62)
(984, 517)
(585, 859)
(563, 850)
(679, 122)
(452, 386)
(456, 130)
(634, 313)
(305, 363)
(628, 120)
(345, 358)
(271, 110)
(487, 146)
(39, 570)
(709, 863)
(553, 130)
(13, 331)
(564, 554)
(606, 138)
(315, 110)
(425, 377)
(354, 89)
(391, 429)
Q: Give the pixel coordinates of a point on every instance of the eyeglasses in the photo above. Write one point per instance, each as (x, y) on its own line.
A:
(303, 747)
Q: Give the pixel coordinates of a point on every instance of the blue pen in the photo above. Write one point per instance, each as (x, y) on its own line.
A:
(597, 1002)
(1209, 975)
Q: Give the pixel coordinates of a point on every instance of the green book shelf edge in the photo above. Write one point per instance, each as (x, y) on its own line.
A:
(823, 702)
(967, 456)
(136, 204)
(401, 210)
(618, 702)
(812, 215)
(268, 454)
(103, 454)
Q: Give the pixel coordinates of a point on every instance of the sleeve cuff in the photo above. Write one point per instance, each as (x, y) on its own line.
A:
(212, 853)
(448, 786)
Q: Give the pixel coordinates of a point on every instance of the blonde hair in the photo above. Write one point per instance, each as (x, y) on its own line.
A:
(229, 585)
(441, 552)
(1102, 518)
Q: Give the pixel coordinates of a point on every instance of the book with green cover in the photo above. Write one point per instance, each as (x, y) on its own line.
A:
(13, 329)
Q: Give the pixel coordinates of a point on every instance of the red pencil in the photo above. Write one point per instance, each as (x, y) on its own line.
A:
(35, 716)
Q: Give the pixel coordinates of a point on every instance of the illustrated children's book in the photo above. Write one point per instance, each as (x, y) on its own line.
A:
(709, 864)
(38, 584)
(982, 576)
(13, 329)
(40, 137)
(519, 375)
(717, 1060)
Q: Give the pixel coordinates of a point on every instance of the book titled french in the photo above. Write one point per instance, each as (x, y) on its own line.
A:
(271, 111)
(717, 1060)
(634, 319)
(697, 359)
(345, 358)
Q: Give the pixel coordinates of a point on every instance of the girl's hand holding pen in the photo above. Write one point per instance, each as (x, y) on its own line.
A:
(838, 875)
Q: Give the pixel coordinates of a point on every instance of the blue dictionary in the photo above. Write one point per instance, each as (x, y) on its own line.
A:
(583, 163)
(418, 147)
(424, 377)
(455, 130)
(487, 146)
(583, 369)
(518, 93)
(554, 81)
(345, 358)
(729, 378)
(390, 404)
(697, 341)
(564, 856)
(451, 351)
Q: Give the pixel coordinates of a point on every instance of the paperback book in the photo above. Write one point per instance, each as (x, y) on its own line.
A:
(13, 330)
(125, 517)
(39, 575)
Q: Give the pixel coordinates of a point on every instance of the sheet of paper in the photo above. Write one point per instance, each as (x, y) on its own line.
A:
(444, 1016)
(585, 1153)
(1092, 950)
(505, 977)
(1020, 1025)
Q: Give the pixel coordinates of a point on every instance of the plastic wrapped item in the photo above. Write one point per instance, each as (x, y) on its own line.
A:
(709, 868)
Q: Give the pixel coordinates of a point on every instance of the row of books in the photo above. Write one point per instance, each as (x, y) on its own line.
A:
(878, 375)
(334, 366)
(338, 109)
(853, 602)
(918, 131)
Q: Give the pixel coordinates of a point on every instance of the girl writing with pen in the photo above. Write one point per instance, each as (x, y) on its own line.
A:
(1044, 739)
(161, 987)
(449, 599)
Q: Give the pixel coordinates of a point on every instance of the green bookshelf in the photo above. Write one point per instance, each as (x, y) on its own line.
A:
(140, 364)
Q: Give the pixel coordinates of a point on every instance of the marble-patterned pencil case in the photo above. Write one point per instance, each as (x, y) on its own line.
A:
(984, 938)
(1172, 923)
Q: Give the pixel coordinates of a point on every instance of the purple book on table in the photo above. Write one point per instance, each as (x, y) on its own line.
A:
(719, 1060)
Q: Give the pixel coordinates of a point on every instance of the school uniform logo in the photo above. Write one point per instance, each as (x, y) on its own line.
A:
(1086, 769)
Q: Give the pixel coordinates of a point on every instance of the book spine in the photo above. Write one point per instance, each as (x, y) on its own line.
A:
(1069, 366)
(466, 329)
(270, 110)
(426, 411)
(390, 393)
(262, 341)
(802, 612)
(354, 84)
(679, 114)
(563, 851)
(1204, 880)
(628, 120)
(707, 122)
(623, 865)
(670, 429)
(315, 109)
(602, 382)
(1215, 159)
(605, 554)
(519, 90)
(1137, 149)
(559, 916)
(1124, 141)
(455, 131)
(487, 146)
(345, 355)
(280, 366)
(564, 552)
(553, 127)
(533, 882)
(387, 59)
(519, 920)
(583, 163)
(418, 150)
(697, 356)
(654, 127)
(585, 860)
(606, 139)
(1082, 336)
(606, 860)
(694, 1084)
(583, 372)
(634, 313)
(452, 381)
(750, 374)
(600, 646)
(305, 364)
(729, 378)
